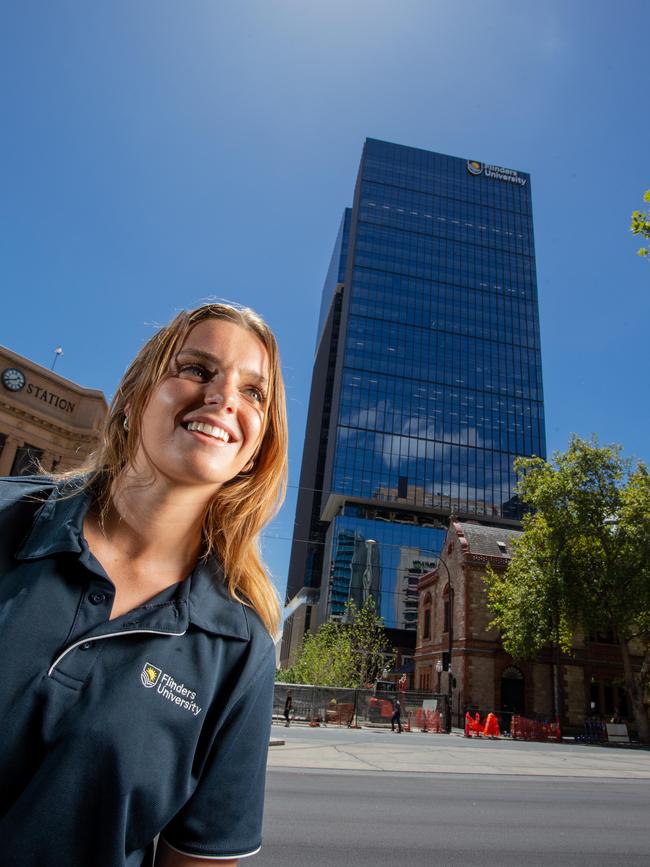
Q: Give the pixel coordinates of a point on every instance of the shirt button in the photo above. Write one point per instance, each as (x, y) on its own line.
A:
(97, 598)
(87, 645)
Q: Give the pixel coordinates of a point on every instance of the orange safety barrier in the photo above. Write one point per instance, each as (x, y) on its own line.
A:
(472, 725)
(428, 720)
(342, 713)
(524, 729)
(491, 728)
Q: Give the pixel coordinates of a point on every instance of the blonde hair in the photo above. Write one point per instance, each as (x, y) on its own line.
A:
(241, 507)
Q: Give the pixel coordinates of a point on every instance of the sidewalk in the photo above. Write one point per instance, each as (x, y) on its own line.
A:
(417, 753)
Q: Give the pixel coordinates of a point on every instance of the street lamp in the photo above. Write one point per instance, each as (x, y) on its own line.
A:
(57, 353)
(450, 636)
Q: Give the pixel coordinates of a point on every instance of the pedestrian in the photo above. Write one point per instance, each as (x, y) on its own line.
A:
(396, 717)
(288, 707)
(136, 655)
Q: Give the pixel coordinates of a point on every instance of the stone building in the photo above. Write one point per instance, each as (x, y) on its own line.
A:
(484, 676)
(44, 418)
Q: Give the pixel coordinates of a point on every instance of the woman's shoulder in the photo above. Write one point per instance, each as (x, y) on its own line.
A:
(16, 488)
(222, 609)
(258, 630)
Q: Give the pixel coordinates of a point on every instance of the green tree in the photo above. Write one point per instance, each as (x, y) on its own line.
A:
(641, 225)
(350, 653)
(368, 642)
(582, 562)
(324, 659)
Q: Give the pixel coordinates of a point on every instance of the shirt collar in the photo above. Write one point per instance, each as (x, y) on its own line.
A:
(210, 605)
(58, 527)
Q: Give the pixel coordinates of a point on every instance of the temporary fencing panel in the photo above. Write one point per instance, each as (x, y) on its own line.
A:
(326, 705)
(526, 729)
(595, 731)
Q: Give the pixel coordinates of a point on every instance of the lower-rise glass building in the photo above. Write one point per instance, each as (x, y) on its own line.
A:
(427, 380)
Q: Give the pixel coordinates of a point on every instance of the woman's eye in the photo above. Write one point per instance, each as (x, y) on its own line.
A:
(256, 394)
(194, 371)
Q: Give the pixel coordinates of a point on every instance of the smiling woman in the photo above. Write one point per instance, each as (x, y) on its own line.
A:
(150, 681)
(203, 423)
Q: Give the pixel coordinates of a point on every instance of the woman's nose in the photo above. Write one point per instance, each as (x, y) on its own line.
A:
(220, 392)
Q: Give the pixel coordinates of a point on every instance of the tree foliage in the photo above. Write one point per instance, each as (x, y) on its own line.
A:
(583, 560)
(350, 653)
(640, 225)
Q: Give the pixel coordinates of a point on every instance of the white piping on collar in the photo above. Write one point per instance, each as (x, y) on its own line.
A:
(110, 635)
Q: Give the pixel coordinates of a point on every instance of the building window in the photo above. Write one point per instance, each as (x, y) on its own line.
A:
(446, 609)
(26, 460)
(608, 698)
(605, 636)
(426, 617)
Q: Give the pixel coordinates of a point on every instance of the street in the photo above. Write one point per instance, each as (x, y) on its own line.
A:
(319, 816)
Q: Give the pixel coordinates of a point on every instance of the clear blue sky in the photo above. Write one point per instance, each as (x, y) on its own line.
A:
(157, 153)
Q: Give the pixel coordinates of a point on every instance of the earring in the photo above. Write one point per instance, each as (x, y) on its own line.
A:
(125, 423)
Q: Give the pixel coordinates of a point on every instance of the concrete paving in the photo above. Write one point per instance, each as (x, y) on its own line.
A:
(366, 750)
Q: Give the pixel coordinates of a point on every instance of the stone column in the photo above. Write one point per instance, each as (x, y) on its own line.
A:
(8, 455)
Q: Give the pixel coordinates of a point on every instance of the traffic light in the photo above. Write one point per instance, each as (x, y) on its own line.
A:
(445, 660)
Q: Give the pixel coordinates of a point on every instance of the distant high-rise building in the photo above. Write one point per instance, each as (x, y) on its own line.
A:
(427, 380)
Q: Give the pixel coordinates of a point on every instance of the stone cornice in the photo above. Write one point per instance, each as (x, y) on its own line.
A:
(70, 433)
(51, 376)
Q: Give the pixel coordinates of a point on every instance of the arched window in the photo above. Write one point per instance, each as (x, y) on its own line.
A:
(426, 618)
(446, 610)
(513, 698)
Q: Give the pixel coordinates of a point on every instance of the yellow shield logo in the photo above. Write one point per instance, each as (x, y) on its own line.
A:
(149, 675)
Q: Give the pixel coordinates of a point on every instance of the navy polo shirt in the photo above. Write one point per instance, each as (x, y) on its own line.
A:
(112, 732)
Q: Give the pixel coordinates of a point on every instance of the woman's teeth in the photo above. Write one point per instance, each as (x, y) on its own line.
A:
(211, 431)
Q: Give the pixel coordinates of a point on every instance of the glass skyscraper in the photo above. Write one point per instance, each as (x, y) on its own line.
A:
(427, 380)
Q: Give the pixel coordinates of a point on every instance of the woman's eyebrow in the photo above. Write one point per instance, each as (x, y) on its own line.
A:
(199, 353)
(255, 375)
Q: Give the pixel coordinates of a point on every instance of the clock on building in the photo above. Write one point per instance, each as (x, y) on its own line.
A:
(13, 379)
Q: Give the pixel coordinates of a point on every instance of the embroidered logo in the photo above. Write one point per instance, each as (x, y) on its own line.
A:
(149, 675)
(177, 693)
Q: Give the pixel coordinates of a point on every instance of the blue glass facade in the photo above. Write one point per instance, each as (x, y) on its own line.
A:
(434, 386)
(380, 559)
(336, 270)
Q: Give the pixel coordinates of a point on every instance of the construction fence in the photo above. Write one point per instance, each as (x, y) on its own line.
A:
(324, 705)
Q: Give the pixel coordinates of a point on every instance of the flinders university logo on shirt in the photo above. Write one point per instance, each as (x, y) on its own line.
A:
(149, 675)
(170, 689)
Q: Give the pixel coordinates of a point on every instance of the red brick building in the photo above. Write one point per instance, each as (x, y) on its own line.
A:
(484, 676)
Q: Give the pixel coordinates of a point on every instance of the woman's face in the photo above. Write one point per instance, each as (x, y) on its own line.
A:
(203, 423)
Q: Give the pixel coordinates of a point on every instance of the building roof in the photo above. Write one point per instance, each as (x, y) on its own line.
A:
(486, 541)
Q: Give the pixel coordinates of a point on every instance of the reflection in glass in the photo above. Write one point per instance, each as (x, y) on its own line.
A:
(382, 560)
